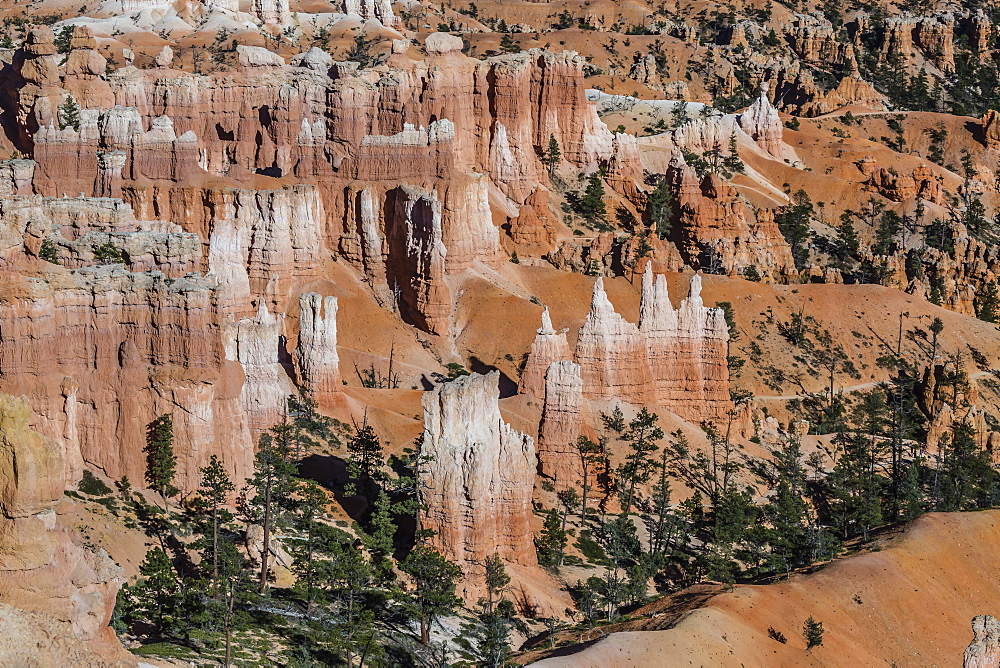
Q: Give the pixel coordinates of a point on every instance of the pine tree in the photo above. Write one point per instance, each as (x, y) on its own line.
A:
(786, 509)
(214, 492)
(350, 578)
(157, 589)
(732, 162)
(660, 532)
(660, 206)
(812, 630)
(434, 579)
(272, 485)
(551, 542)
(234, 588)
(988, 303)
(848, 243)
(591, 204)
(794, 225)
(590, 457)
(490, 633)
(553, 155)
(161, 464)
(47, 252)
(509, 45)
(641, 436)
(365, 459)
(889, 226)
(939, 235)
(311, 512)
(378, 537)
(69, 114)
(108, 253)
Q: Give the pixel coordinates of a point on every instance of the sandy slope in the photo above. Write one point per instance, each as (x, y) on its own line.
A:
(909, 604)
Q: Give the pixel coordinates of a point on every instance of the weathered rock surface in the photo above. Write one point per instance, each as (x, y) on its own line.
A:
(316, 360)
(984, 650)
(611, 353)
(761, 122)
(477, 487)
(254, 343)
(675, 358)
(549, 346)
(70, 589)
(561, 425)
(718, 230)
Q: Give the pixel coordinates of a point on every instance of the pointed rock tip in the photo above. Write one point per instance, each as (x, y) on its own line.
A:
(546, 327)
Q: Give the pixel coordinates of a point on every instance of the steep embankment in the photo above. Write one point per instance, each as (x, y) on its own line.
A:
(910, 603)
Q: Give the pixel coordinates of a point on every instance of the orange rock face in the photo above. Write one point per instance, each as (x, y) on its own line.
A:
(477, 486)
(549, 346)
(101, 352)
(41, 569)
(718, 230)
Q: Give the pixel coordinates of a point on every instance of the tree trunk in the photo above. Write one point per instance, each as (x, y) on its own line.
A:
(266, 549)
(215, 546)
(229, 643)
(425, 630)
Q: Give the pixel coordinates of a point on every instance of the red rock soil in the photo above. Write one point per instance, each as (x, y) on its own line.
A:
(908, 602)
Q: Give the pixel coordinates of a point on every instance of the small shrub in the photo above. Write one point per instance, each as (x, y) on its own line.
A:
(590, 549)
(812, 630)
(775, 634)
(92, 486)
(47, 252)
(108, 253)
(456, 370)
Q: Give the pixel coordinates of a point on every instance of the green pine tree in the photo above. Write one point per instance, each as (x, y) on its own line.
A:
(434, 580)
(47, 252)
(69, 114)
(591, 204)
(157, 589)
(812, 630)
(988, 303)
(213, 494)
(365, 459)
(660, 206)
(273, 485)
(551, 542)
(641, 437)
(553, 155)
(161, 464)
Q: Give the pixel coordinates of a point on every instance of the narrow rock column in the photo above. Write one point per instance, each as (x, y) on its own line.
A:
(476, 489)
(316, 359)
(561, 424)
(761, 121)
(549, 346)
(109, 173)
(253, 342)
(612, 354)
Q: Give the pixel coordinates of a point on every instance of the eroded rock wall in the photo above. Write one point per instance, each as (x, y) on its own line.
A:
(477, 485)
